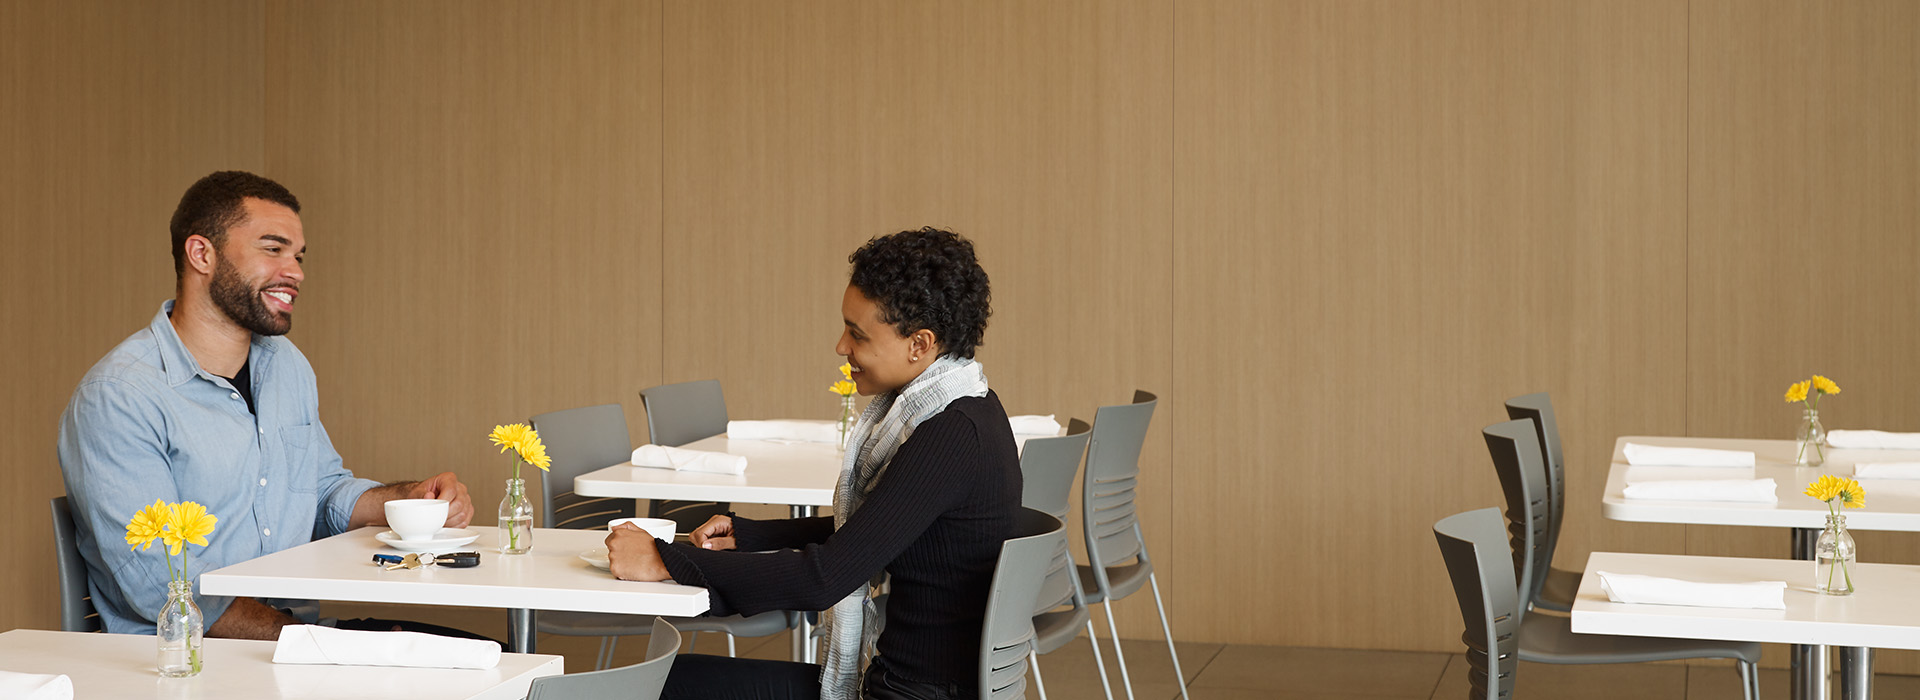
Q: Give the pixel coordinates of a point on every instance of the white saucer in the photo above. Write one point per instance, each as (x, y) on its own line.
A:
(444, 540)
(597, 557)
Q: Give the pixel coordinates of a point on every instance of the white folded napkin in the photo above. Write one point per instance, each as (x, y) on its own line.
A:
(790, 430)
(35, 686)
(313, 644)
(1653, 590)
(1034, 425)
(1648, 455)
(1873, 440)
(1740, 490)
(1887, 470)
(677, 459)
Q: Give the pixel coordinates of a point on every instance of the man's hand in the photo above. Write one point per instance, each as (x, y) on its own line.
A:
(634, 556)
(446, 487)
(248, 618)
(716, 533)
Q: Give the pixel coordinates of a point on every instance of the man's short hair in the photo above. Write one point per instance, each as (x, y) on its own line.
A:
(215, 204)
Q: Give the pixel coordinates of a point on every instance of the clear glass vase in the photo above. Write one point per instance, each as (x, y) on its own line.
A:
(516, 519)
(1833, 557)
(1813, 441)
(846, 420)
(179, 628)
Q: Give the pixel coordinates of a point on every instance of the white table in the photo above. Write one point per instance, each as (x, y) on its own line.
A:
(551, 577)
(1882, 613)
(122, 666)
(1892, 504)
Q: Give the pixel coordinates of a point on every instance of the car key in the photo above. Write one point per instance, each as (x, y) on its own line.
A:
(455, 560)
(412, 561)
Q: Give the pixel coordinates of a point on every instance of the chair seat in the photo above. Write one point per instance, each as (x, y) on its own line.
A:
(1053, 629)
(1125, 580)
(585, 624)
(1549, 639)
(1561, 587)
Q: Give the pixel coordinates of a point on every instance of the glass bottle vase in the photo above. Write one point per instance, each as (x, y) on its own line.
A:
(1812, 440)
(1833, 557)
(516, 519)
(179, 629)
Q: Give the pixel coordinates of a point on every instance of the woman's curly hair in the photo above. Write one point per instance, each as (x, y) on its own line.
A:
(927, 279)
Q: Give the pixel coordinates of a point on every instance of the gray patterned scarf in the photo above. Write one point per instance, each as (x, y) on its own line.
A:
(848, 630)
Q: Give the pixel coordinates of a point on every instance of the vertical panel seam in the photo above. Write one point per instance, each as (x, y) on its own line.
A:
(660, 172)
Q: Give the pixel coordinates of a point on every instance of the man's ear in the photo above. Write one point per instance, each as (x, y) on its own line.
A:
(201, 254)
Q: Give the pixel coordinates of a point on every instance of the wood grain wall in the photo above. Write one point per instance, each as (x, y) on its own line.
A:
(1333, 235)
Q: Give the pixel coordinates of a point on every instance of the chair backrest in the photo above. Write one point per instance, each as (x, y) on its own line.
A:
(641, 681)
(1539, 409)
(1479, 563)
(581, 440)
(1006, 636)
(1113, 472)
(1048, 466)
(76, 602)
(681, 413)
(1516, 457)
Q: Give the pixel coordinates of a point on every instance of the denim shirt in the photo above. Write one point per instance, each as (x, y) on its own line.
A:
(147, 422)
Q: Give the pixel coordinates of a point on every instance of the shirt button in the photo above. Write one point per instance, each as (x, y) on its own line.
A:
(266, 531)
(234, 395)
(263, 482)
(263, 431)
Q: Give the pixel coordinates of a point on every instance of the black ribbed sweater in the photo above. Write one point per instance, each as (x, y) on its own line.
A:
(935, 523)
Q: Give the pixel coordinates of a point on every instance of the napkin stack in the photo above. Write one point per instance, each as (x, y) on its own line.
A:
(1034, 425)
(1887, 470)
(1873, 440)
(313, 644)
(1649, 455)
(1653, 590)
(35, 686)
(787, 430)
(677, 459)
(1737, 490)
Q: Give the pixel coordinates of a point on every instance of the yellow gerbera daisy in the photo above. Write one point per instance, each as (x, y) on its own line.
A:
(1830, 488)
(187, 522)
(534, 452)
(510, 437)
(146, 525)
(1797, 392)
(1825, 385)
(843, 388)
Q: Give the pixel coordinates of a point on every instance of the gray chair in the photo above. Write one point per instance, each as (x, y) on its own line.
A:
(1048, 466)
(1481, 567)
(641, 681)
(583, 440)
(1019, 583)
(1559, 586)
(678, 414)
(1112, 524)
(1548, 638)
(76, 602)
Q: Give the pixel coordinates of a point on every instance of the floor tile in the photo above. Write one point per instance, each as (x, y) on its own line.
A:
(1324, 672)
(1587, 682)
(1147, 663)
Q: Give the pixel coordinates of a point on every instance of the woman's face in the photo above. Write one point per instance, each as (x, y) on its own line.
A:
(882, 359)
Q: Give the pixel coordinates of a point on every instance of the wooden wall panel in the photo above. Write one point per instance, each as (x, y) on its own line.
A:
(1389, 217)
(482, 192)
(1802, 255)
(108, 111)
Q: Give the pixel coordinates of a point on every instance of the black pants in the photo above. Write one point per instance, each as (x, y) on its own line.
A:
(376, 625)
(702, 677)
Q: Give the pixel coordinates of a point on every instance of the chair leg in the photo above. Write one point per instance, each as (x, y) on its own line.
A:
(693, 642)
(1177, 677)
(731, 650)
(1749, 679)
(1033, 662)
(605, 659)
(1119, 657)
(1097, 660)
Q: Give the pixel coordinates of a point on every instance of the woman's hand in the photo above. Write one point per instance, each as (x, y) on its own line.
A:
(716, 533)
(633, 555)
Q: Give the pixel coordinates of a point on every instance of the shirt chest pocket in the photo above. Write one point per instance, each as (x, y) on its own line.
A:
(297, 469)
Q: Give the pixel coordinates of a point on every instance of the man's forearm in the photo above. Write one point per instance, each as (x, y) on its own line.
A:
(371, 509)
(248, 618)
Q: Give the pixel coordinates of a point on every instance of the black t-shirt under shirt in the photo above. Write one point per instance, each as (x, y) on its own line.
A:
(242, 382)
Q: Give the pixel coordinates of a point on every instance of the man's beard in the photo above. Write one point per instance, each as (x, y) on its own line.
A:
(243, 304)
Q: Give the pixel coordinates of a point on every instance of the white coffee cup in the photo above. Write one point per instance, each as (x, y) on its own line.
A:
(416, 519)
(660, 528)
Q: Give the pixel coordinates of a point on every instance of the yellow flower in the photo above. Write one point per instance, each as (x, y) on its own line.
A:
(187, 522)
(147, 525)
(510, 437)
(846, 371)
(843, 388)
(534, 452)
(1825, 385)
(1830, 488)
(1797, 392)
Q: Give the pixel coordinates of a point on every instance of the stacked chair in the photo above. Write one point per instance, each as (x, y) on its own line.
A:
(678, 414)
(1557, 586)
(76, 602)
(1047, 467)
(641, 681)
(1020, 583)
(1112, 523)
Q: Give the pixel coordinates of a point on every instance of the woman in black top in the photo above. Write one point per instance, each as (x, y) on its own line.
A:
(928, 494)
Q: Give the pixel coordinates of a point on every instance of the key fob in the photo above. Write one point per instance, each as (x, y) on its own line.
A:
(457, 560)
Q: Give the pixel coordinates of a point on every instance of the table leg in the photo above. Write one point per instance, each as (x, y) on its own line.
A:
(803, 648)
(1809, 661)
(520, 632)
(1856, 673)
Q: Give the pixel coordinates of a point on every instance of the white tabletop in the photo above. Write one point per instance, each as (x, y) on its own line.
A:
(551, 577)
(1892, 504)
(1882, 613)
(122, 666)
(786, 473)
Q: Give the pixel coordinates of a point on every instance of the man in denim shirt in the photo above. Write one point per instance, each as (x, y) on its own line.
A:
(210, 404)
